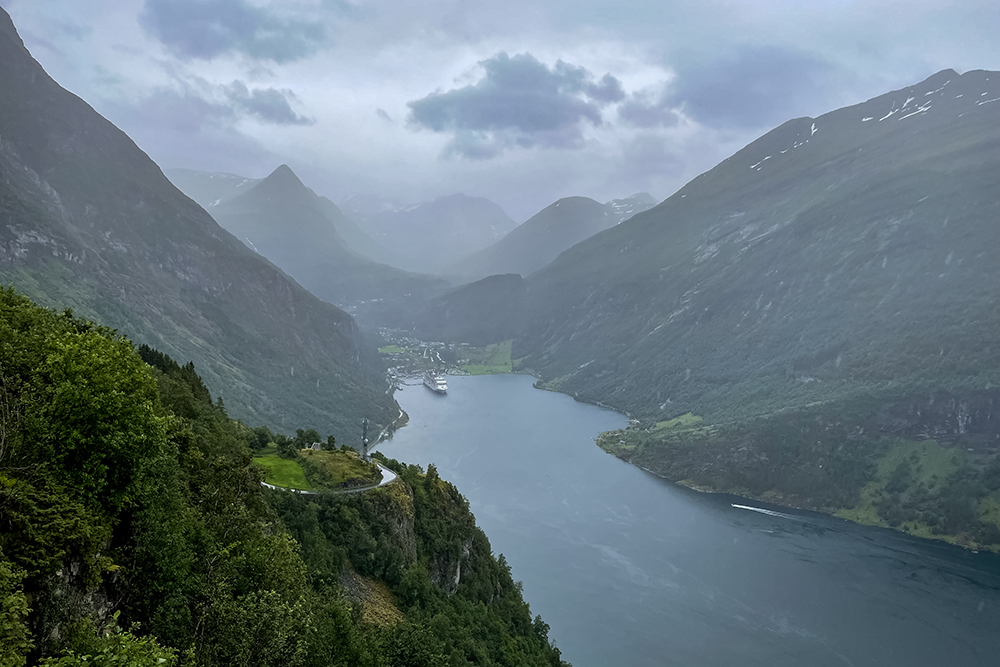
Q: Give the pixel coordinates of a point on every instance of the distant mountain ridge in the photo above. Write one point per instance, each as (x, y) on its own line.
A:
(209, 189)
(539, 240)
(91, 223)
(431, 236)
(212, 189)
(288, 223)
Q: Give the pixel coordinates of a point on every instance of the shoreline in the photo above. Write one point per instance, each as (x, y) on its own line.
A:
(774, 498)
(781, 502)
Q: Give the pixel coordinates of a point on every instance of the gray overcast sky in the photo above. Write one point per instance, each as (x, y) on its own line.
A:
(522, 102)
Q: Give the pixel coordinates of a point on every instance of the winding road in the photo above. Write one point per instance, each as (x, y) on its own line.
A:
(388, 477)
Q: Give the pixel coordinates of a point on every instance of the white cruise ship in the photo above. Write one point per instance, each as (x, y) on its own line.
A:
(435, 382)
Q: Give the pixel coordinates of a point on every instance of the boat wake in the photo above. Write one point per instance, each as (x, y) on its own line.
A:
(763, 511)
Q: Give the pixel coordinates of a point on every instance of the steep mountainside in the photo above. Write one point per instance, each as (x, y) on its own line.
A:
(853, 251)
(538, 241)
(90, 222)
(483, 312)
(213, 189)
(430, 237)
(286, 222)
(815, 321)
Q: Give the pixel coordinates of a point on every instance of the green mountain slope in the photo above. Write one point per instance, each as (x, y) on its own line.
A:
(849, 252)
(815, 321)
(483, 312)
(289, 224)
(90, 222)
(555, 228)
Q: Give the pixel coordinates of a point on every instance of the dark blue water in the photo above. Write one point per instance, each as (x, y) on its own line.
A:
(628, 569)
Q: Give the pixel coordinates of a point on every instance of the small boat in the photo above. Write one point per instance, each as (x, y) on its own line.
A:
(435, 382)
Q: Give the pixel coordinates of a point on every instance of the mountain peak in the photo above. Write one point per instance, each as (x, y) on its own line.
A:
(281, 182)
(947, 73)
(284, 174)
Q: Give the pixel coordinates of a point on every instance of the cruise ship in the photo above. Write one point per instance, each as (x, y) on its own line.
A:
(435, 382)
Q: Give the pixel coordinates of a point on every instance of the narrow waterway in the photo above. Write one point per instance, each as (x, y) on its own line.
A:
(628, 569)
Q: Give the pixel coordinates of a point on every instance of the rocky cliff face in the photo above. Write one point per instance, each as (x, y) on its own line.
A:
(69, 600)
(396, 502)
(955, 419)
(446, 569)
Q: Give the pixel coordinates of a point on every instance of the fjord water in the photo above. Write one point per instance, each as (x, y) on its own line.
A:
(628, 569)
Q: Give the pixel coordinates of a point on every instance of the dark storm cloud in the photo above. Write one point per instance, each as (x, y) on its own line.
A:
(608, 90)
(267, 104)
(520, 101)
(754, 87)
(210, 28)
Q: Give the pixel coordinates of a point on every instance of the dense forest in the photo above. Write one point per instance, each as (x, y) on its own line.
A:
(134, 531)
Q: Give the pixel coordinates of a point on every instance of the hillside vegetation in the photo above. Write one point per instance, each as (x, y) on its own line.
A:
(136, 531)
(829, 288)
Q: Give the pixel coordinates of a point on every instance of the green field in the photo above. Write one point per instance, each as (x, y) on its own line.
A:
(338, 469)
(391, 349)
(318, 470)
(687, 419)
(283, 472)
(488, 360)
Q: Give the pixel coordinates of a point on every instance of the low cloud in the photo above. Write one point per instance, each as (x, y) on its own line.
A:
(182, 111)
(648, 109)
(206, 29)
(197, 105)
(268, 105)
(184, 129)
(519, 102)
(754, 87)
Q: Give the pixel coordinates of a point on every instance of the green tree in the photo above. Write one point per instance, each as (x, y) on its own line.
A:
(287, 448)
(119, 648)
(92, 400)
(15, 639)
(306, 437)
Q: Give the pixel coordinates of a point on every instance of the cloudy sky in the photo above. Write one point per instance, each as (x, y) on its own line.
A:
(522, 102)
